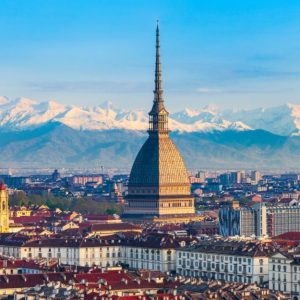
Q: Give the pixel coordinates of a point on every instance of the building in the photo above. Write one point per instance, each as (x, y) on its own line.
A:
(229, 260)
(284, 273)
(113, 228)
(259, 220)
(55, 175)
(16, 182)
(153, 252)
(236, 177)
(84, 179)
(4, 209)
(243, 221)
(75, 251)
(283, 219)
(255, 176)
(158, 183)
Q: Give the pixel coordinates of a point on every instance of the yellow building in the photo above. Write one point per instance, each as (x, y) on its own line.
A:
(23, 211)
(4, 211)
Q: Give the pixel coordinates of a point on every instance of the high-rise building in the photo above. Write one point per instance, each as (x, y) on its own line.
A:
(255, 176)
(159, 183)
(4, 210)
(235, 220)
(201, 175)
(236, 177)
(281, 219)
(259, 220)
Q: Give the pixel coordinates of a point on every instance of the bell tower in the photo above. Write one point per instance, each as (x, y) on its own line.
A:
(4, 212)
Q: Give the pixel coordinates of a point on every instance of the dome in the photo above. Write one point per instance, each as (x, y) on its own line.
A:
(158, 163)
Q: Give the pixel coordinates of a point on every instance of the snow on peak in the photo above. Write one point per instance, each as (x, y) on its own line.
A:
(23, 113)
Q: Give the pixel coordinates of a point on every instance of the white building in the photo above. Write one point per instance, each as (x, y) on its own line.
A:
(232, 261)
(79, 252)
(152, 252)
(284, 274)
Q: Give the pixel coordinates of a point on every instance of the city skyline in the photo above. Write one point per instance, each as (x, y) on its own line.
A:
(240, 55)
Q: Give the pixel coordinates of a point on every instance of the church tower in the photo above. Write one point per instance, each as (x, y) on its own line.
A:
(158, 183)
(4, 213)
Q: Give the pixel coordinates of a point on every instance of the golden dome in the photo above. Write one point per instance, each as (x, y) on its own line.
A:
(158, 163)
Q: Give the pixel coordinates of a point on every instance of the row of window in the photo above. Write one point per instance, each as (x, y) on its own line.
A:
(216, 257)
(215, 266)
(227, 277)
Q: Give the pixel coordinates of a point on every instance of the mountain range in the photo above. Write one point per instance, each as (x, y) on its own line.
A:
(50, 134)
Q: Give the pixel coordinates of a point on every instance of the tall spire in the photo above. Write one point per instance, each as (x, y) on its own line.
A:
(158, 116)
(158, 91)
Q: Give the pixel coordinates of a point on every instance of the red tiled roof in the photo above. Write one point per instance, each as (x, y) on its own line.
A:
(99, 217)
(114, 226)
(109, 276)
(19, 263)
(292, 236)
(31, 280)
(28, 219)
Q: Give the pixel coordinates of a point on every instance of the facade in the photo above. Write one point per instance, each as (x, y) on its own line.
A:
(83, 179)
(4, 209)
(77, 252)
(283, 219)
(243, 221)
(255, 176)
(153, 252)
(259, 220)
(232, 261)
(159, 183)
(284, 274)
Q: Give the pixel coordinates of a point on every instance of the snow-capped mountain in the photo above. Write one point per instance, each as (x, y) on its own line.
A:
(283, 120)
(24, 113)
(39, 134)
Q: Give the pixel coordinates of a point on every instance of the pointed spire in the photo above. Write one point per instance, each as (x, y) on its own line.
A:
(158, 91)
(158, 116)
(2, 186)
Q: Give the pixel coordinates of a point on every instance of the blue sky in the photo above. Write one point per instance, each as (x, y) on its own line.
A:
(239, 54)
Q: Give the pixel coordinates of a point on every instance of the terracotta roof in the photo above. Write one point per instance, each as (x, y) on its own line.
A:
(157, 241)
(114, 227)
(292, 236)
(239, 248)
(31, 280)
(28, 219)
(99, 217)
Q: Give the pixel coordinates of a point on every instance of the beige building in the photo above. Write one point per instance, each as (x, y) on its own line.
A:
(159, 183)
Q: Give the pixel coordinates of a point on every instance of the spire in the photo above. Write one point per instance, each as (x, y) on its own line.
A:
(158, 116)
(158, 92)
(2, 186)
